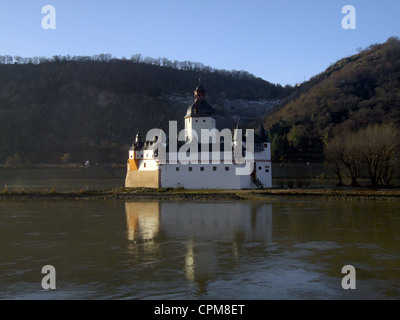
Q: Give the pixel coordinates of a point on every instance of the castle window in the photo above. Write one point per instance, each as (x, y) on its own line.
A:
(259, 168)
(197, 120)
(214, 168)
(266, 170)
(142, 156)
(144, 165)
(204, 120)
(190, 169)
(201, 168)
(226, 168)
(177, 168)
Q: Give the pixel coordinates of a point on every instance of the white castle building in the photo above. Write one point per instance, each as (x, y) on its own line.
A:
(206, 158)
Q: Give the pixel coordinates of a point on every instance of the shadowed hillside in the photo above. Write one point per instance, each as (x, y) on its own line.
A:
(353, 93)
(73, 109)
(90, 108)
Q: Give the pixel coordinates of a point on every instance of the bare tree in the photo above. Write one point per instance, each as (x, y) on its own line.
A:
(380, 148)
(344, 149)
(137, 58)
(351, 156)
(332, 150)
(18, 60)
(8, 59)
(165, 62)
(375, 147)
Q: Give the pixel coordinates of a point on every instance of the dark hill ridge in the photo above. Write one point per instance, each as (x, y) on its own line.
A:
(93, 107)
(352, 93)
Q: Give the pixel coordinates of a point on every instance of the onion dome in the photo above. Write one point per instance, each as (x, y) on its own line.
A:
(200, 107)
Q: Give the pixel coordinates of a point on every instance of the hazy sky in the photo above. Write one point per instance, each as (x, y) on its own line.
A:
(281, 41)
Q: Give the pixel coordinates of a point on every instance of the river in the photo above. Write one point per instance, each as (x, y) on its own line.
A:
(283, 249)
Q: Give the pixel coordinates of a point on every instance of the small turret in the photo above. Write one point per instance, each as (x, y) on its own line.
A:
(138, 137)
(138, 143)
(262, 133)
(236, 137)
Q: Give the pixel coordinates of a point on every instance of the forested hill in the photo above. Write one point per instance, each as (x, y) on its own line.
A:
(92, 107)
(352, 93)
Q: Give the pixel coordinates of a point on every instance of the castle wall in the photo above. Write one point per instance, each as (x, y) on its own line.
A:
(222, 177)
(142, 179)
(198, 176)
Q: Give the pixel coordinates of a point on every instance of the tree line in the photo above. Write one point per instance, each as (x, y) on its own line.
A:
(135, 58)
(375, 149)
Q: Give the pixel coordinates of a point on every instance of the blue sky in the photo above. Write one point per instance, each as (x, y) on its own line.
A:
(281, 41)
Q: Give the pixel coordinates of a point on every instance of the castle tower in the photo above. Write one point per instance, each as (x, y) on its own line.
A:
(200, 115)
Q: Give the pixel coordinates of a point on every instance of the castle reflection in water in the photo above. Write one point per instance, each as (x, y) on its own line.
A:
(201, 236)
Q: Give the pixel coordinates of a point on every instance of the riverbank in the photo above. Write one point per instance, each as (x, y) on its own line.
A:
(206, 195)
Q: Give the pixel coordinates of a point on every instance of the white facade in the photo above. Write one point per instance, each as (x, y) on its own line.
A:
(203, 176)
(196, 124)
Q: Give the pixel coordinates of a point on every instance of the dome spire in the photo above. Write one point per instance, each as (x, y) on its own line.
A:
(200, 93)
(200, 107)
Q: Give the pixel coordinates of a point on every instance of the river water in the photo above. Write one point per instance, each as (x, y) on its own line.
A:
(283, 249)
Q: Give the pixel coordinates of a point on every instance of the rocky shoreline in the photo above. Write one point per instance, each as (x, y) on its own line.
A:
(206, 195)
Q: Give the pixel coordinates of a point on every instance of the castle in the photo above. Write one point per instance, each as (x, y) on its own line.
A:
(207, 158)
